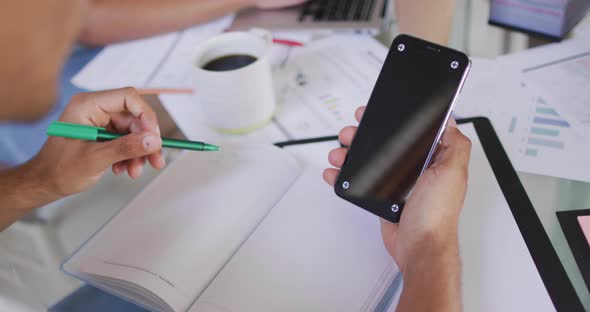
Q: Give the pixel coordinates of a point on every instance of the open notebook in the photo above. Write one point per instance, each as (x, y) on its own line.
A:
(245, 229)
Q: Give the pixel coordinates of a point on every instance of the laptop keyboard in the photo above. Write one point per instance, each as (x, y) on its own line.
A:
(337, 10)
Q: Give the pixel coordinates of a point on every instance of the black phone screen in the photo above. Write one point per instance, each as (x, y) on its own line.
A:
(403, 121)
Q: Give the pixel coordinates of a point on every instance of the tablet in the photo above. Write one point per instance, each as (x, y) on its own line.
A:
(508, 262)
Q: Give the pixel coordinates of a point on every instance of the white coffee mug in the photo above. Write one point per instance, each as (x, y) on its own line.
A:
(238, 100)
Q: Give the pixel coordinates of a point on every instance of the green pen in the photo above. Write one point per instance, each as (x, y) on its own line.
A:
(90, 133)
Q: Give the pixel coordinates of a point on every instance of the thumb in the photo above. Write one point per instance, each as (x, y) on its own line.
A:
(133, 145)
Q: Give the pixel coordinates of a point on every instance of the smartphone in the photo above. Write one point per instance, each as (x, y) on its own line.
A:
(403, 123)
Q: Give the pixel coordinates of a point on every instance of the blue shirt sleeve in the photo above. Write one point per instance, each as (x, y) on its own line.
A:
(19, 142)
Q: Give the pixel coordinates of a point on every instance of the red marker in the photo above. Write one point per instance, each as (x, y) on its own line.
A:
(286, 42)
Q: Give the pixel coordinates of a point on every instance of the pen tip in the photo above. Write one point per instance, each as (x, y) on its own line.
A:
(212, 148)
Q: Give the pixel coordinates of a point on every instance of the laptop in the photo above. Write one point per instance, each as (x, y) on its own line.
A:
(355, 16)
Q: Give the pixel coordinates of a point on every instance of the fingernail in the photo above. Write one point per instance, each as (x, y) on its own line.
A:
(150, 143)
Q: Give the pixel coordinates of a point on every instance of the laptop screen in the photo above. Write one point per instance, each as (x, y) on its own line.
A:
(548, 18)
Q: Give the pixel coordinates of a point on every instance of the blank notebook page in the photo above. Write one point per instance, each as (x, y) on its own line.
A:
(181, 230)
(313, 252)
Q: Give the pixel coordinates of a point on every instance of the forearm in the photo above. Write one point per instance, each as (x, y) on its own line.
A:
(428, 19)
(118, 20)
(22, 191)
(432, 279)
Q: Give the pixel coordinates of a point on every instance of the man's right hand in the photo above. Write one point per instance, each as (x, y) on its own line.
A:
(431, 214)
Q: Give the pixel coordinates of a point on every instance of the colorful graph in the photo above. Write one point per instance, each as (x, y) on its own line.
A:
(545, 130)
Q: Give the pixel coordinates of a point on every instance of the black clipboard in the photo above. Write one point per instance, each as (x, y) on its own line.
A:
(552, 272)
(558, 285)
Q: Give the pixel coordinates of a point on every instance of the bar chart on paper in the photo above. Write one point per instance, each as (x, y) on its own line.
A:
(547, 143)
(545, 130)
(321, 86)
(303, 113)
(566, 80)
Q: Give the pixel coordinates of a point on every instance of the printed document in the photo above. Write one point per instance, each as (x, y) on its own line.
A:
(538, 138)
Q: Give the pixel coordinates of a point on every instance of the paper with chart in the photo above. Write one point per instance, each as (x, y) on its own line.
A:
(536, 136)
(184, 108)
(323, 84)
(548, 142)
(561, 73)
(566, 79)
(318, 87)
(491, 90)
(137, 63)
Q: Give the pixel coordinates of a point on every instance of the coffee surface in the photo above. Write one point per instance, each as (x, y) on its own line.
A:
(229, 62)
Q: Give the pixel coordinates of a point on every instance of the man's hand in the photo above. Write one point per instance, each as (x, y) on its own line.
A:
(68, 166)
(275, 4)
(431, 214)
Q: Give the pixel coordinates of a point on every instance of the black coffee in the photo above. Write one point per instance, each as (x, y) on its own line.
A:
(229, 62)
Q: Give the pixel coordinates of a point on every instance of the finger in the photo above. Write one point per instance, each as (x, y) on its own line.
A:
(117, 169)
(124, 164)
(125, 123)
(347, 135)
(330, 176)
(116, 101)
(133, 145)
(388, 229)
(358, 114)
(456, 149)
(120, 167)
(157, 160)
(120, 101)
(135, 167)
(389, 236)
(337, 156)
(452, 123)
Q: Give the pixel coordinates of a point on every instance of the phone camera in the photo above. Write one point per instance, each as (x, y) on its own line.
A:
(401, 47)
(454, 64)
(345, 185)
(394, 208)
